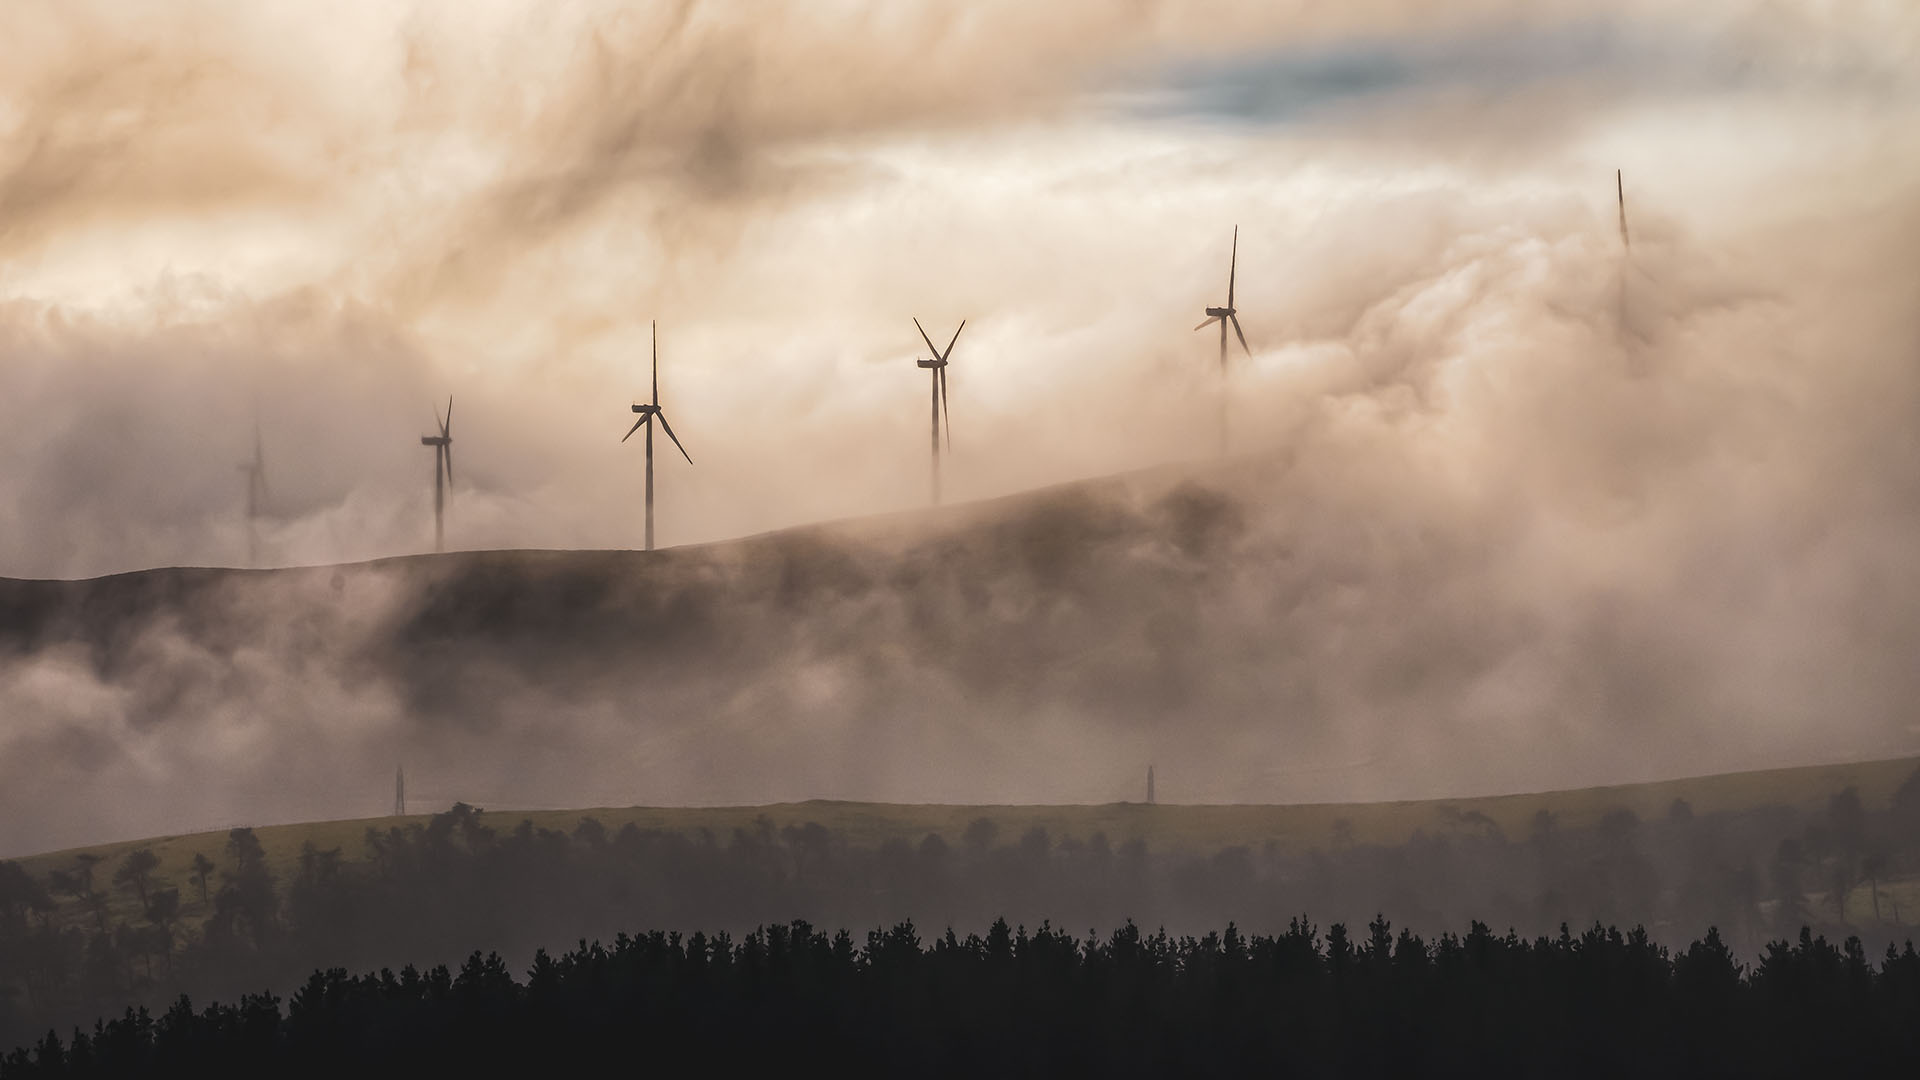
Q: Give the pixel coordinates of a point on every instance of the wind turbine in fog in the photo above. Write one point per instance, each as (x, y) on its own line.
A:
(648, 412)
(256, 471)
(1223, 316)
(938, 366)
(1620, 190)
(1626, 244)
(442, 466)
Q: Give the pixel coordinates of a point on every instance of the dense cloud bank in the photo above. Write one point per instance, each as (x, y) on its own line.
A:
(1037, 649)
(1516, 508)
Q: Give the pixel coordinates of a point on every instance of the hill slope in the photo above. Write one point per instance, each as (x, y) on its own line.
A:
(1197, 829)
(1234, 624)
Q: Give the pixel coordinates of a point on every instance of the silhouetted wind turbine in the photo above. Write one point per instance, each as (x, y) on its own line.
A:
(938, 366)
(256, 471)
(1626, 245)
(648, 412)
(1223, 316)
(1620, 189)
(442, 465)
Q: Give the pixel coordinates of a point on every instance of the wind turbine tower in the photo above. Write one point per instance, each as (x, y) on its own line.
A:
(938, 367)
(399, 791)
(1149, 785)
(1223, 316)
(442, 466)
(1626, 244)
(1620, 190)
(648, 412)
(256, 471)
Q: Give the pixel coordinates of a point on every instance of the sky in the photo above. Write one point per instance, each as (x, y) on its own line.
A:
(1535, 479)
(329, 222)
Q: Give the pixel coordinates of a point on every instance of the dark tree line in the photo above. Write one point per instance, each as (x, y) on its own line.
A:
(789, 998)
(432, 892)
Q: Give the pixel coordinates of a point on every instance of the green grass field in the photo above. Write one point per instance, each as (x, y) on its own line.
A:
(1202, 829)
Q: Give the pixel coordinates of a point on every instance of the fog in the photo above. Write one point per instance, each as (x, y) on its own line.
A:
(1509, 507)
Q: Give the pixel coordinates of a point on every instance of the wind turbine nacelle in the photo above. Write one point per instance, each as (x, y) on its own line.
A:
(433, 440)
(931, 363)
(1220, 312)
(646, 408)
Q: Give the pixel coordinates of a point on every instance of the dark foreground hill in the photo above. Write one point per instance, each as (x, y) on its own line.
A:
(89, 932)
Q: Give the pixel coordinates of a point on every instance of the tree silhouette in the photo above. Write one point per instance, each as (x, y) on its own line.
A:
(788, 997)
(203, 868)
(78, 883)
(246, 908)
(137, 870)
(162, 910)
(1904, 809)
(435, 888)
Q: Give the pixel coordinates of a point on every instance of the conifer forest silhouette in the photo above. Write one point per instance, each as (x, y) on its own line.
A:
(1716, 944)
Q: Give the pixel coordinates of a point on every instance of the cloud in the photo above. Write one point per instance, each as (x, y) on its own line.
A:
(1609, 61)
(1516, 509)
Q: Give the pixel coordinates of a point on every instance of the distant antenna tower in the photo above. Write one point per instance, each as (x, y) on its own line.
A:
(399, 791)
(1149, 784)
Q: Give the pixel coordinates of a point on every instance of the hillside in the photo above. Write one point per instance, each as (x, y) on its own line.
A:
(1233, 623)
(1200, 830)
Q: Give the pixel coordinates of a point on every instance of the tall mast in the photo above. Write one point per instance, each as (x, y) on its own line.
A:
(656, 406)
(935, 382)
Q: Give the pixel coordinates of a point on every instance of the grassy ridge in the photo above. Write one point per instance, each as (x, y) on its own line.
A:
(1201, 828)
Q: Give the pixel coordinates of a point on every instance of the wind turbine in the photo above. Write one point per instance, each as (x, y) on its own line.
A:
(1620, 190)
(1223, 316)
(442, 466)
(648, 412)
(256, 471)
(1626, 245)
(938, 366)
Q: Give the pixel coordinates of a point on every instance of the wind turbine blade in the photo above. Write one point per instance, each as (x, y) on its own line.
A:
(656, 361)
(1236, 332)
(1620, 189)
(448, 460)
(948, 416)
(1233, 263)
(956, 337)
(637, 425)
(446, 429)
(925, 338)
(1211, 319)
(668, 428)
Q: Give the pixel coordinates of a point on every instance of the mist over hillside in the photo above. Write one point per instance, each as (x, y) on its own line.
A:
(1539, 490)
(1229, 624)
